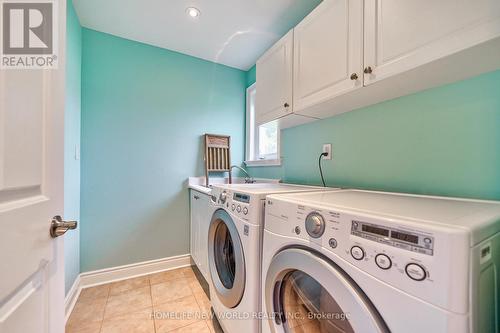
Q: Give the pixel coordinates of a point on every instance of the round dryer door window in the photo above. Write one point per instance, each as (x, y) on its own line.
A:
(309, 307)
(307, 292)
(226, 259)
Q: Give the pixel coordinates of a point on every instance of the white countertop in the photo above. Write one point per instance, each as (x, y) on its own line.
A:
(198, 183)
(200, 188)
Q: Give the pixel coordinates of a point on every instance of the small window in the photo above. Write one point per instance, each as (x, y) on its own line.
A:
(262, 141)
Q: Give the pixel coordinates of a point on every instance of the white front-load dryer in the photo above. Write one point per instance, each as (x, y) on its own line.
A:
(360, 261)
(235, 251)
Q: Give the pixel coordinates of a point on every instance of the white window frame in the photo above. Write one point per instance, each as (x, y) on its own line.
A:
(252, 136)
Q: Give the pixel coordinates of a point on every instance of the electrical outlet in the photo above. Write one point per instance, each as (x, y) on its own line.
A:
(327, 148)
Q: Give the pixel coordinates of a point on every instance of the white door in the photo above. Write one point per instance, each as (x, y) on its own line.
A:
(402, 35)
(31, 193)
(274, 81)
(328, 53)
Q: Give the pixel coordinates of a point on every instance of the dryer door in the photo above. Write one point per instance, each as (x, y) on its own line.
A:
(306, 292)
(226, 259)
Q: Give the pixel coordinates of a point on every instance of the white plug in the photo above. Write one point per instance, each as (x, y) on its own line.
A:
(327, 148)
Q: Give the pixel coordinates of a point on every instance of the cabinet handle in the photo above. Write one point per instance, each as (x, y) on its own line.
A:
(196, 197)
(286, 105)
(368, 70)
(354, 76)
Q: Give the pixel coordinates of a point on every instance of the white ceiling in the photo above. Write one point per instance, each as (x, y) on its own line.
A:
(230, 32)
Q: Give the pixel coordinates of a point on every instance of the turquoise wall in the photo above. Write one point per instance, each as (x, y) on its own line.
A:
(443, 141)
(72, 142)
(144, 110)
(251, 76)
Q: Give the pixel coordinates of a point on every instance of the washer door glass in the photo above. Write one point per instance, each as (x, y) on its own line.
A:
(225, 259)
(224, 255)
(307, 292)
(308, 307)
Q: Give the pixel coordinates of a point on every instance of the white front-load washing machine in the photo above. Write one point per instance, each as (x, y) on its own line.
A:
(234, 252)
(360, 261)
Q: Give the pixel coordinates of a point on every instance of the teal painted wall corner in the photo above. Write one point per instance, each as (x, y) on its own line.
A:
(72, 116)
(251, 75)
(144, 110)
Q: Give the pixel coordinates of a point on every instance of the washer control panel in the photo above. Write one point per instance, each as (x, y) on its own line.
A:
(234, 202)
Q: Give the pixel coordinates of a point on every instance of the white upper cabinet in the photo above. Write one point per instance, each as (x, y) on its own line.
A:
(328, 53)
(343, 47)
(274, 81)
(403, 35)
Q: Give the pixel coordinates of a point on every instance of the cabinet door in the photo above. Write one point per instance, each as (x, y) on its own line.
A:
(274, 81)
(205, 217)
(328, 53)
(195, 226)
(402, 35)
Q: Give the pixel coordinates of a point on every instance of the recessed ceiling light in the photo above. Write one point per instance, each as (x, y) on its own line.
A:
(193, 12)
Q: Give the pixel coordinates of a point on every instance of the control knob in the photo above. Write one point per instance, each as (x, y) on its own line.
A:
(357, 252)
(383, 261)
(223, 197)
(315, 225)
(415, 271)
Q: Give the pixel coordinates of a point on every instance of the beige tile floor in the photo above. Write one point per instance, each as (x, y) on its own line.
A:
(174, 301)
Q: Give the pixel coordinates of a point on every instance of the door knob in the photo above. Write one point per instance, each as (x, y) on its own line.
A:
(354, 76)
(286, 105)
(58, 227)
(368, 70)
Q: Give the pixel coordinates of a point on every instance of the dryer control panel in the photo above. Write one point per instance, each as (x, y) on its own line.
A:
(407, 240)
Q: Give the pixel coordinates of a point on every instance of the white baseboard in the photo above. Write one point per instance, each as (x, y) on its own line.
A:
(71, 297)
(117, 273)
(112, 274)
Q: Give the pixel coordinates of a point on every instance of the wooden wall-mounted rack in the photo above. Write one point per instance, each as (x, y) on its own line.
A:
(217, 155)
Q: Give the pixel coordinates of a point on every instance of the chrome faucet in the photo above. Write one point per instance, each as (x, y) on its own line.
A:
(248, 179)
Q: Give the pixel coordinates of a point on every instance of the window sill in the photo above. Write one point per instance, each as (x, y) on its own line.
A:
(261, 163)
